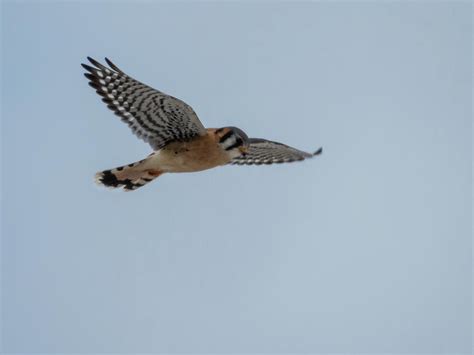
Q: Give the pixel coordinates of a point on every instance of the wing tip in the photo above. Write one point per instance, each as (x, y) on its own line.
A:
(88, 68)
(318, 152)
(95, 63)
(99, 66)
(112, 65)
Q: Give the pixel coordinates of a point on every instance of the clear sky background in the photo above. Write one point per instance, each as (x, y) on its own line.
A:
(366, 248)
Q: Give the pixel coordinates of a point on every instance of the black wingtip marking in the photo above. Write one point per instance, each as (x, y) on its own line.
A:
(89, 76)
(112, 65)
(318, 152)
(95, 63)
(96, 86)
(89, 68)
(100, 66)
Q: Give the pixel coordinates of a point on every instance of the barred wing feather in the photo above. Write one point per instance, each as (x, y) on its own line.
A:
(262, 151)
(152, 115)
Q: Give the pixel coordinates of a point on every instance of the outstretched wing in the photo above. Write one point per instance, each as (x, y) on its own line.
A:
(262, 151)
(153, 116)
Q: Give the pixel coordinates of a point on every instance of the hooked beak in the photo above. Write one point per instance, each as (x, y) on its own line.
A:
(243, 150)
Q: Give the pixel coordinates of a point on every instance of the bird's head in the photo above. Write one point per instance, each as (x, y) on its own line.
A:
(233, 140)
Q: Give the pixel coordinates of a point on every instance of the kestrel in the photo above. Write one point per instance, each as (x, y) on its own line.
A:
(179, 140)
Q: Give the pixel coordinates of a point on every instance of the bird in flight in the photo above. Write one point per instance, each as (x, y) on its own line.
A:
(179, 140)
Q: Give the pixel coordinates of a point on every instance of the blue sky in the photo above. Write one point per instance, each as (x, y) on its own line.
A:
(366, 248)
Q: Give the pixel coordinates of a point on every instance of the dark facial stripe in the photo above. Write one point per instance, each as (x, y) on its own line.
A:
(226, 136)
(238, 143)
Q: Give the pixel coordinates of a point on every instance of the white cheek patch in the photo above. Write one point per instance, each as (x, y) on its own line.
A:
(234, 153)
(228, 142)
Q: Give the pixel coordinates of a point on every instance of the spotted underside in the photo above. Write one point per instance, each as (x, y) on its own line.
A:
(153, 116)
(262, 151)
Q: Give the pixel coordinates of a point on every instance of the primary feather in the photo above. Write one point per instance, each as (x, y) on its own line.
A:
(153, 116)
(262, 151)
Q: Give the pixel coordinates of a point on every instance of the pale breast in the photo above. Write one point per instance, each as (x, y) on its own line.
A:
(198, 154)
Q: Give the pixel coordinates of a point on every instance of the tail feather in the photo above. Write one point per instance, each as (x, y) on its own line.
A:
(129, 177)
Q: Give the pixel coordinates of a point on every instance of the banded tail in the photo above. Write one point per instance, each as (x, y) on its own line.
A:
(129, 177)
